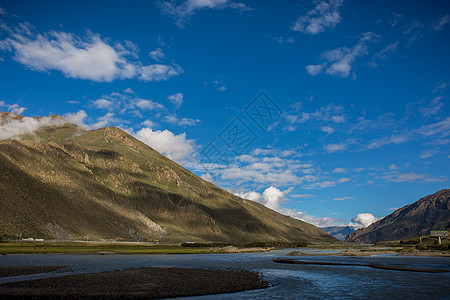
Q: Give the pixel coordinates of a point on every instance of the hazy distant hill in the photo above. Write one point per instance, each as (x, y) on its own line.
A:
(104, 183)
(419, 218)
(339, 232)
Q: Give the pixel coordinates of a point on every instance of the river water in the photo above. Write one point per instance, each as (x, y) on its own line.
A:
(288, 281)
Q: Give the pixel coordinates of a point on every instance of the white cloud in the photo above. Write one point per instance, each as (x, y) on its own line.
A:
(316, 221)
(327, 129)
(14, 128)
(107, 119)
(158, 72)
(343, 198)
(363, 220)
(182, 12)
(335, 147)
(439, 24)
(103, 104)
(176, 147)
(441, 128)
(434, 107)
(176, 99)
(428, 153)
(313, 70)
(172, 119)
(14, 108)
(330, 113)
(393, 139)
(157, 54)
(340, 61)
(2, 11)
(89, 58)
(324, 15)
(271, 197)
(126, 101)
(411, 177)
(339, 170)
(77, 118)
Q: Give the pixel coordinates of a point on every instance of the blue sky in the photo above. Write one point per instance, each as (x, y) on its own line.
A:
(354, 106)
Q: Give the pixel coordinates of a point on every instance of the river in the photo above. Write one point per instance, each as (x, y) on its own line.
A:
(289, 281)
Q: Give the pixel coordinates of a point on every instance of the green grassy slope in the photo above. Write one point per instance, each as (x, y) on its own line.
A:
(108, 185)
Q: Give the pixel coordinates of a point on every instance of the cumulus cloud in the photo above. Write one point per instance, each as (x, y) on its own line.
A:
(271, 197)
(339, 62)
(182, 12)
(176, 99)
(324, 15)
(13, 127)
(176, 147)
(89, 58)
(363, 220)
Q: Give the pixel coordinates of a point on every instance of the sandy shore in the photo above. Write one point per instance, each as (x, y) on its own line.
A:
(141, 283)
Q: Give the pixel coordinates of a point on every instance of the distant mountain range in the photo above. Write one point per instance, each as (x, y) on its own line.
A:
(339, 232)
(419, 218)
(64, 182)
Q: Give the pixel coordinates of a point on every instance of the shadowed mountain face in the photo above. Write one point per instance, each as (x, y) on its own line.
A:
(69, 183)
(419, 218)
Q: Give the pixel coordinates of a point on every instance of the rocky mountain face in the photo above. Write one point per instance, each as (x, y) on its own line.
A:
(64, 182)
(339, 232)
(419, 218)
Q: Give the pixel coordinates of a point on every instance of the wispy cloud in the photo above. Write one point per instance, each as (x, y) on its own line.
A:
(176, 99)
(441, 22)
(183, 11)
(324, 15)
(339, 62)
(335, 147)
(174, 120)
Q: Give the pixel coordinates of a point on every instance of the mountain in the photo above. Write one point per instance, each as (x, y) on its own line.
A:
(69, 183)
(339, 232)
(419, 218)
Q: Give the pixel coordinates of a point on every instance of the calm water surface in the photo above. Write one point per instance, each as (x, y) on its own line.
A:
(289, 281)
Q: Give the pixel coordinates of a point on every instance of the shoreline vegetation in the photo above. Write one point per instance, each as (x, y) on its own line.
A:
(139, 283)
(109, 248)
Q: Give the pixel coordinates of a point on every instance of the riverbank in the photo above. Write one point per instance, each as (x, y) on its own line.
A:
(371, 265)
(140, 283)
(118, 248)
(364, 252)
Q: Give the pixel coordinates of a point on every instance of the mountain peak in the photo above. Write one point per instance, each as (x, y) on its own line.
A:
(419, 218)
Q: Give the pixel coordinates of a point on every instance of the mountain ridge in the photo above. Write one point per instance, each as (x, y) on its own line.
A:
(106, 184)
(431, 212)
